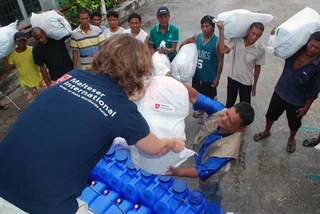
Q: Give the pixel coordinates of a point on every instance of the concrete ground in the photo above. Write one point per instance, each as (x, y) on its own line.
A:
(265, 179)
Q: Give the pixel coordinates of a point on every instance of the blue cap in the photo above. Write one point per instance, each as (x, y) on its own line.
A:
(179, 186)
(213, 208)
(111, 150)
(130, 164)
(145, 173)
(195, 197)
(121, 155)
(164, 178)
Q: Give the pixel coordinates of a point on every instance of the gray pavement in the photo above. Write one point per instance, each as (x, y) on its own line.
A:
(266, 179)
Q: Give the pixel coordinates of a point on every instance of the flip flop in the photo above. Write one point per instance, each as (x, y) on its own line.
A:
(4, 107)
(310, 142)
(291, 148)
(258, 136)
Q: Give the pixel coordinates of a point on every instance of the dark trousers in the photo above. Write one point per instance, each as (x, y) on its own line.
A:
(204, 88)
(232, 92)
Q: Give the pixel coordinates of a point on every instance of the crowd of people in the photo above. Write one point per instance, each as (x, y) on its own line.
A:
(85, 101)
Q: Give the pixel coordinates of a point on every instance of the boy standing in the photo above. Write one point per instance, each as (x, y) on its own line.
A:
(164, 31)
(216, 144)
(22, 59)
(114, 28)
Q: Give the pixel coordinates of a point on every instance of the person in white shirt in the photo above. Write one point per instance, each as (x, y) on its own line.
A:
(114, 28)
(135, 28)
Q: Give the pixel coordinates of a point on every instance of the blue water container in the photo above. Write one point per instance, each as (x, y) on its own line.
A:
(117, 181)
(180, 189)
(186, 208)
(137, 209)
(150, 195)
(167, 204)
(102, 163)
(114, 167)
(197, 200)
(102, 203)
(213, 208)
(124, 206)
(89, 194)
(131, 190)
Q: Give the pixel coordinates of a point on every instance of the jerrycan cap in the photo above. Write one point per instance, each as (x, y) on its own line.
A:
(179, 186)
(213, 208)
(145, 173)
(195, 197)
(121, 155)
(111, 150)
(130, 164)
(164, 178)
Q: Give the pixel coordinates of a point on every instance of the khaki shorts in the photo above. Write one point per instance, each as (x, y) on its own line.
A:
(8, 208)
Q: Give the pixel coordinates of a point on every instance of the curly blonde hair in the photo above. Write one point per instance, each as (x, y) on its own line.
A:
(126, 60)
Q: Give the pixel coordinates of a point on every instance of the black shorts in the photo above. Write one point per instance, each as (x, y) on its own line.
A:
(276, 108)
(204, 88)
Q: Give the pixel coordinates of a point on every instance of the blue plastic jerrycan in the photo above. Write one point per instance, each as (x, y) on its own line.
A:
(213, 208)
(114, 167)
(137, 209)
(89, 194)
(131, 190)
(117, 181)
(103, 202)
(196, 199)
(150, 195)
(186, 208)
(120, 207)
(172, 199)
(102, 163)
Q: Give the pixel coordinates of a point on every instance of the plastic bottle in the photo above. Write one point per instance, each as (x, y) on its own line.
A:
(117, 181)
(186, 208)
(140, 209)
(213, 208)
(180, 189)
(89, 194)
(196, 199)
(124, 205)
(103, 202)
(150, 195)
(132, 189)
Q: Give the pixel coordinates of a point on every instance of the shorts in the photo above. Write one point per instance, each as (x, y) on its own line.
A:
(277, 106)
(31, 93)
(205, 88)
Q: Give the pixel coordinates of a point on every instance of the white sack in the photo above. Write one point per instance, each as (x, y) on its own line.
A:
(164, 106)
(237, 22)
(54, 25)
(7, 42)
(161, 64)
(293, 34)
(184, 64)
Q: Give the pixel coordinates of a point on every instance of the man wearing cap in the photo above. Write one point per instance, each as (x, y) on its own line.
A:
(164, 31)
(21, 58)
(52, 53)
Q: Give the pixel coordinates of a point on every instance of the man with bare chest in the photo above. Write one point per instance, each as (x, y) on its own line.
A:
(297, 88)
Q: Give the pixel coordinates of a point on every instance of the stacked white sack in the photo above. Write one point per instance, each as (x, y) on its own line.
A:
(7, 42)
(184, 64)
(294, 33)
(237, 22)
(54, 25)
(164, 106)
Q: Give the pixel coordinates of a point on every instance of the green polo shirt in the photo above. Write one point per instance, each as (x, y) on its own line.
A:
(170, 36)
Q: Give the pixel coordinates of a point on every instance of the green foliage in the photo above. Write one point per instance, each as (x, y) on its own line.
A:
(91, 5)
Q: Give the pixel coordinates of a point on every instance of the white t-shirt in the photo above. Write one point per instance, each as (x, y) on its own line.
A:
(244, 60)
(141, 36)
(107, 33)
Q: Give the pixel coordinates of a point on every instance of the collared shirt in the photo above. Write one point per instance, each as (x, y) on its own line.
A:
(86, 44)
(295, 86)
(244, 60)
(213, 164)
(170, 36)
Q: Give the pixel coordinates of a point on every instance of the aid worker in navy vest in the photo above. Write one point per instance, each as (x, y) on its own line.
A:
(216, 144)
(45, 165)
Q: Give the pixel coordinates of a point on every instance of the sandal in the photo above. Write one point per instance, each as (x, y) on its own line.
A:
(310, 142)
(258, 136)
(4, 106)
(291, 148)
(197, 114)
